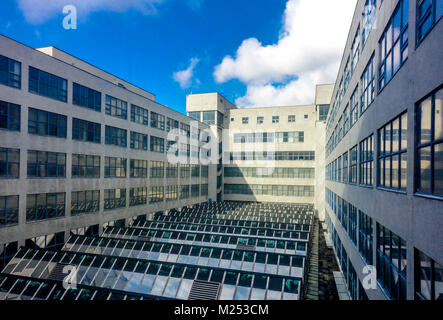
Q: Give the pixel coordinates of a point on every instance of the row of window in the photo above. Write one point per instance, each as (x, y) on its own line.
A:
(275, 119)
(208, 117)
(274, 156)
(42, 164)
(52, 205)
(392, 148)
(269, 190)
(298, 173)
(270, 137)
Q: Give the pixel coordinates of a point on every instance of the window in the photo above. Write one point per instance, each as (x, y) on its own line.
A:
(43, 164)
(394, 44)
(115, 167)
(353, 165)
(355, 51)
(85, 202)
(45, 206)
(291, 119)
(85, 166)
(245, 120)
(48, 85)
(306, 116)
(9, 116)
(10, 72)
(116, 107)
(365, 237)
(270, 190)
(171, 193)
(209, 117)
(157, 169)
(346, 125)
(115, 199)
(195, 115)
(368, 86)
(184, 192)
(157, 121)
(139, 168)
(139, 141)
(185, 171)
(391, 263)
(115, 136)
(9, 163)
(139, 115)
(354, 107)
(86, 97)
(260, 120)
(204, 190)
(87, 131)
(275, 119)
(428, 13)
(157, 144)
(171, 170)
(353, 224)
(204, 171)
(138, 196)
(324, 109)
(368, 19)
(428, 277)
(185, 129)
(46, 123)
(195, 191)
(8, 210)
(156, 194)
(392, 157)
(172, 124)
(429, 142)
(366, 161)
(220, 119)
(7, 252)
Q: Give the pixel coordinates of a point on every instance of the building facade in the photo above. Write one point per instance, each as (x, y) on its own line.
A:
(384, 162)
(81, 149)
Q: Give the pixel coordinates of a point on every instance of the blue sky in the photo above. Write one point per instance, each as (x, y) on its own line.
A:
(240, 46)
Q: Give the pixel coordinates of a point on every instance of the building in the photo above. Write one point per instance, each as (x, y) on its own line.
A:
(81, 149)
(384, 162)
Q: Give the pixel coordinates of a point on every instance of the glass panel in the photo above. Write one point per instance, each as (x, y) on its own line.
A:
(425, 122)
(227, 292)
(424, 156)
(438, 169)
(438, 114)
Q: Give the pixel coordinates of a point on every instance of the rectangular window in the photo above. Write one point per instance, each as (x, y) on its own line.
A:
(138, 196)
(10, 116)
(47, 84)
(195, 191)
(393, 45)
(115, 167)
(355, 51)
(115, 199)
(245, 120)
(291, 119)
(353, 165)
(195, 115)
(391, 263)
(365, 237)
(354, 107)
(139, 168)
(115, 136)
(368, 86)
(185, 171)
(9, 163)
(171, 170)
(171, 193)
(260, 120)
(139, 141)
(116, 107)
(139, 115)
(46, 123)
(346, 124)
(43, 164)
(368, 19)
(157, 144)
(220, 119)
(204, 171)
(184, 192)
(87, 131)
(158, 121)
(185, 129)
(85, 166)
(429, 141)
(323, 114)
(428, 13)
(195, 171)
(8, 210)
(45, 206)
(86, 97)
(366, 161)
(392, 156)
(204, 190)
(85, 202)
(209, 117)
(275, 119)
(157, 169)
(428, 277)
(156, 194)
(10, 72)
(353, 224)
(172, 125)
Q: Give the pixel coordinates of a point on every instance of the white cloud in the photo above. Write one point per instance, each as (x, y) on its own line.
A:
(184, 77)
(39, 11)
(309, 49)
